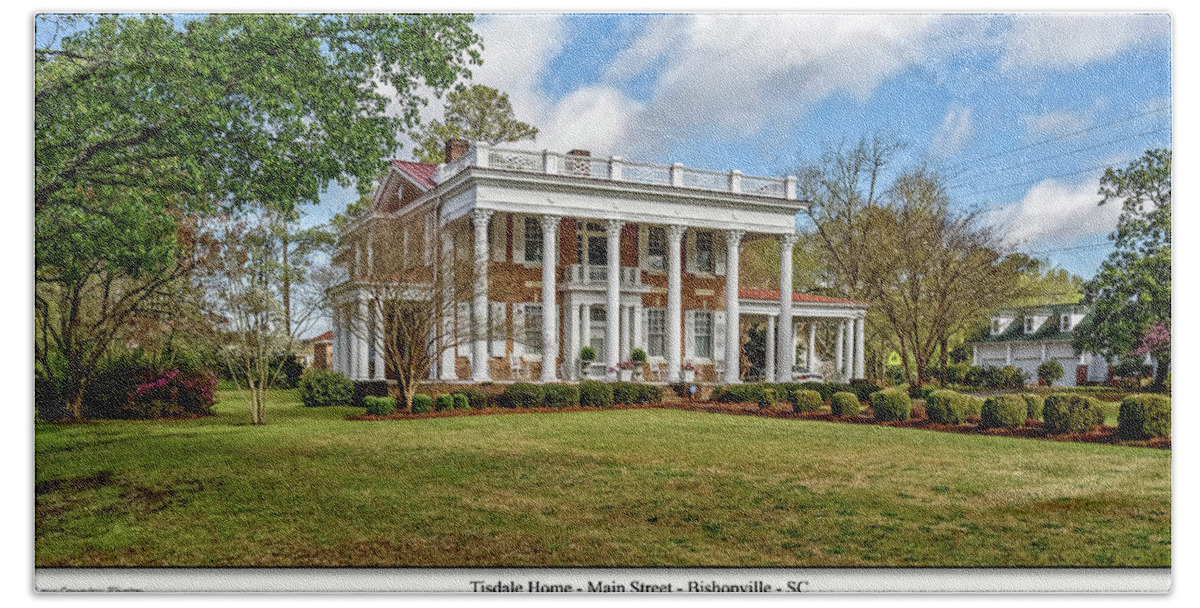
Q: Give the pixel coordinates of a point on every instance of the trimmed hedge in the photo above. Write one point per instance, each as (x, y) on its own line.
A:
(635, 393)
(443, 403)
(325, 388)
(461, 402)
(864, 389)
(949, 407)
(421, 403)
(891, 405)
(593, 393)
(559, 396)
(379, 406)
(477, 399)
(1033, 405)
(920, 393)
(807, 401)
(1003, 412)
(368, 388)
(767, 398)
(844, 403)
(522, 394)
(1144, 417)
(749, 392)
(822, 389)
(1067, 413)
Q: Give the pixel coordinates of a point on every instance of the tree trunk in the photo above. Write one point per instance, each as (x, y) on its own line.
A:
(1160, 374)
(287, 285)
(76, 403)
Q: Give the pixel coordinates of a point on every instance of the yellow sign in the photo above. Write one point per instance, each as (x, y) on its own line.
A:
(894, 358)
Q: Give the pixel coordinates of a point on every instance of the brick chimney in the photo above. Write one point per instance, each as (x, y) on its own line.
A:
(579, 162)
(455, 148)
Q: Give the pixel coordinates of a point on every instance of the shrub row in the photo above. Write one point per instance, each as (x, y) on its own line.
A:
(1144, 417)
(1068, 413)
(325, 388)
(379, 406)
(805, 400)
(891, 404)
(1003, 412)
(950, 407)
(752, 392)
(589, 393)
(844, 404)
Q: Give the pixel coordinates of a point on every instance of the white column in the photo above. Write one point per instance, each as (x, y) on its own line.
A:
(572, 355)
(360, 341)
(448, 345)
(975, 354)
(674, 302)
(377, 313)
(860, 356)
(850, 348)
(839, 352)
(786, 343)
(626, 333)
(336, 363)
(769, 373)
(811, 351)
(612, 312)
(585, 312)
(1008, 354)
(733, 330)
(1043, 351)
(549, 304)
(480, 365)
(638, 340)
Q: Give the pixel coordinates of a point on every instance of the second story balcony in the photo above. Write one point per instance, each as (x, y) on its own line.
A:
(580, 163)
(595, 277)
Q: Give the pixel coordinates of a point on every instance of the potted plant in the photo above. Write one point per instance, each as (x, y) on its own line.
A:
(689, 371)
(638, 356)
(625, 369)
(587, 354)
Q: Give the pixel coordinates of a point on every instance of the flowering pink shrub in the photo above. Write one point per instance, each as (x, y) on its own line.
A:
(172, 393)
(1156, 340)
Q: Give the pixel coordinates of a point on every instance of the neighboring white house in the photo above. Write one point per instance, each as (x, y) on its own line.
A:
(1026, 337)
(627, 255)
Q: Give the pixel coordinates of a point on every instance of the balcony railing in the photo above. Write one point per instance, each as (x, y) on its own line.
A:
(598, 275)
(617, 169)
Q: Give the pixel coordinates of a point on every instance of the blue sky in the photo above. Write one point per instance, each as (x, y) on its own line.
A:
(1019, 111)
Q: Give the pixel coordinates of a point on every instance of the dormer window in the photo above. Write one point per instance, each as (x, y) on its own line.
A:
(1065, 323)
(995, 326)
(1028, 325)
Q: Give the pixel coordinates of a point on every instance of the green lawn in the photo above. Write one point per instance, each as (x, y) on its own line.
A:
(619, 488)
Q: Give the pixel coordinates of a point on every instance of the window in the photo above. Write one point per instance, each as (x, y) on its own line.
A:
(704, 334)
(1065, 324)
(656, 248)
(1028, 325)
(656, 332)
(704, 252)
(533, 329)
(533, 240)
(597, 328)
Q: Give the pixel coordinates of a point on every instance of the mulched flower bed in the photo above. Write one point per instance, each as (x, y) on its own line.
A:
(1102, 435)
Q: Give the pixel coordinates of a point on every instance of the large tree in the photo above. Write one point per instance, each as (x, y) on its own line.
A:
(477, 113)
(141, 123)
(1130, 296)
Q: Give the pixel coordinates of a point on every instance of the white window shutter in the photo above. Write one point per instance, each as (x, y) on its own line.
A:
(518, 330)
(643, 246)
(689, 335)
(519, 239)
(689, 247)
(718, 339)
(719, 252)
(497, 324)
(498, 229)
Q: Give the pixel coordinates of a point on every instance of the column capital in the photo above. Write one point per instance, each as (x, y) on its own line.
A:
(675, 231)
(615, 226)
(550, 222)
(788, 240)
(734, 236)
(481, 216)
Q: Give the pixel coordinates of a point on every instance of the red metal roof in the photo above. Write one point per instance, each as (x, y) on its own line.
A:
(421, 173)
(773, 295)
(325, 337)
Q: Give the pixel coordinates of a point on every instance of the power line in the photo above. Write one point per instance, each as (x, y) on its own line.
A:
(1125, 118)
(1035, 180)
(1059, 155)
(1072, 248)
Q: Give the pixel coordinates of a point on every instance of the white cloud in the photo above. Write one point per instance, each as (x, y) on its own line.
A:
(1060, 41)
(1053, 214)
(955, 130)
(1053, 123)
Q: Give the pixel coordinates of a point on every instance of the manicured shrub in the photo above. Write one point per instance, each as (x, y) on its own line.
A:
(1011, 377)
(948, 407)
(1033, 405)
(1068, 413)
(421, 403)
(822, 389)
(1144, 417)
(807, 401)
(523, 394)
(891, 404)
(477, 399)
(920, 392)
(325, 388)
(750, 392)
(835, 387)
(1003, 412)
(593, 393)
(844, 403)
(625, 392)
(1050, 372)
(379, 406)
(559, 396)
(171, 393)
(864, 389)
(461, 402)
(443, 403)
